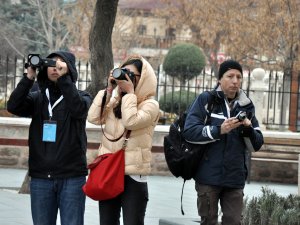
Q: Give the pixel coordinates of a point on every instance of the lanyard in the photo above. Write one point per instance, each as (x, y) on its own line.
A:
(55, 103)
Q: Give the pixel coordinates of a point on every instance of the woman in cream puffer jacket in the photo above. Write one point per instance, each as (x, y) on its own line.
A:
(133, 108)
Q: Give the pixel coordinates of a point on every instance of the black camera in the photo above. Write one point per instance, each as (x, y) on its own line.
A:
(119, 74)
(241, 116)
(36, 61)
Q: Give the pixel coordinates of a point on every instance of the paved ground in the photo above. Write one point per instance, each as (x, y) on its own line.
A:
(163, 206)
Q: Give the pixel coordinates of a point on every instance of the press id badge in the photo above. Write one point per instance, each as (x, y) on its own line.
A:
(49, 131)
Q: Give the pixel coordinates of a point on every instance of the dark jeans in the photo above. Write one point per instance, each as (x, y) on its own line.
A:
(231, 201)
(133, 202)
(47, 196)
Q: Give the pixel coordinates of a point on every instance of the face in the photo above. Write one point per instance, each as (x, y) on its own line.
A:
(52, 71)
(231, 82)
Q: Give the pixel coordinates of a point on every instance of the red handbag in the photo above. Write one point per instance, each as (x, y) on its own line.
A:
(106, 177)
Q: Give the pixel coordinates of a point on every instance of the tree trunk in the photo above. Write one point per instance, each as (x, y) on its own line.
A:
(100, 43)
(25, 188)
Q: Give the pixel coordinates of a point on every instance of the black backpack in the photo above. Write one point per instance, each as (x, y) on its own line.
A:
(182, 157)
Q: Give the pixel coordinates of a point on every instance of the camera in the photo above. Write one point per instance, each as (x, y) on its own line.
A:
(36, 61)
(241, 116)
(119, 74)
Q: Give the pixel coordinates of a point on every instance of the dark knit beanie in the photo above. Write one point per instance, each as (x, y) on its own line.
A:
(228, 65)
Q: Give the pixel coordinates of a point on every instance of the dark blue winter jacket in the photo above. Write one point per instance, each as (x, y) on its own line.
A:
(225, 162)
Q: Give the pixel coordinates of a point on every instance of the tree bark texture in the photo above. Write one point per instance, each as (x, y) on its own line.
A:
(100, 43)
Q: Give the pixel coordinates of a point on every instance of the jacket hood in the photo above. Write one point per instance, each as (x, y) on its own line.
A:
(146, 87)
(69, 59)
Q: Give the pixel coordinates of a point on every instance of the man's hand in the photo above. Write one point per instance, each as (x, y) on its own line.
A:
(31, 73)
(61, 68)
(230, 124)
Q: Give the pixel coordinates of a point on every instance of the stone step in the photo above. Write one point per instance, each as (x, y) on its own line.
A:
(179, 221)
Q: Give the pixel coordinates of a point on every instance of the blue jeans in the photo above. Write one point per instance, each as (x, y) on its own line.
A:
(133, 202)
(47, 196)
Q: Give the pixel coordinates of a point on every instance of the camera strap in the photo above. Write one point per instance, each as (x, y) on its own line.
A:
(50, 108)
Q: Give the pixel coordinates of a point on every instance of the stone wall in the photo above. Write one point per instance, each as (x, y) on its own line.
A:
(13, 156)
(276, 162)
(274, 171)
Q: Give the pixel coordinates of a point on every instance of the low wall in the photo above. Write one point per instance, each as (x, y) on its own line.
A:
(277, 161)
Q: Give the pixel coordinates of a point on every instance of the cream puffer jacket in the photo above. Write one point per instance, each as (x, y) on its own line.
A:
(140, 113)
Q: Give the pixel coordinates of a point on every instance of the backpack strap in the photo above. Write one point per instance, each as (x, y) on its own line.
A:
(182, 212)
(211, 103)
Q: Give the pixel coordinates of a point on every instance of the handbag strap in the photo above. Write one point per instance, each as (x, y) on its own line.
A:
(113, 140)
(126, 139)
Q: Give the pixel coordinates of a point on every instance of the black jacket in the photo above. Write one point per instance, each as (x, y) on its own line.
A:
(67, 156)
(225, 163)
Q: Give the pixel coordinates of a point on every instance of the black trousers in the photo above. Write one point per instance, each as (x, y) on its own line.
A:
(231, 201)
(133, 202)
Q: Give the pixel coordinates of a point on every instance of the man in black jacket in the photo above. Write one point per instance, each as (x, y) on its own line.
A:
(233, 128)
(57, 139)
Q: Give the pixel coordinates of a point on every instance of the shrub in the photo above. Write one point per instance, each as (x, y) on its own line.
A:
(271, 209)
(2, 104)
(177, 102)
(184, 61)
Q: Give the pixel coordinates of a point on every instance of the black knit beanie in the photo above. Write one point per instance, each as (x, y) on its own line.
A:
(228, 65)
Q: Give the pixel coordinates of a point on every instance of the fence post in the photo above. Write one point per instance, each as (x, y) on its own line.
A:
(294, 105)
(258, 89)
(299, 174)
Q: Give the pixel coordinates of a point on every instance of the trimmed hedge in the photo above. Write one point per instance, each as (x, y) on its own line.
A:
(184, 61)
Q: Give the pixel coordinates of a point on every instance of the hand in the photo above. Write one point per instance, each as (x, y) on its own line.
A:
(31, 73)
(230, 124)
(247, 122)
(111, 82)
(61, 68)
(126, 86)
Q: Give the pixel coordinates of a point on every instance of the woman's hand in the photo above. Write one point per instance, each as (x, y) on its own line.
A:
(111, 83)
(126, 86)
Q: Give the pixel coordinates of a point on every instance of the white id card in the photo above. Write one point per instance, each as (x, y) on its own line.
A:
(49, 131)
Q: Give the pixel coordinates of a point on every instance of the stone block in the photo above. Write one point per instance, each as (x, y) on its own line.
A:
(4, 161)
(9, 151)
(178, 221)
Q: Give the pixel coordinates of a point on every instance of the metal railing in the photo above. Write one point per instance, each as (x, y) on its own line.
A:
(281, 101)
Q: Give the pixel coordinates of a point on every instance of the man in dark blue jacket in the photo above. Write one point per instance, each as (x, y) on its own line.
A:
(232, 129)
(57, 139)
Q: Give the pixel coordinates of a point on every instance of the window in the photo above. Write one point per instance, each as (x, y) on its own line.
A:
(142, 29)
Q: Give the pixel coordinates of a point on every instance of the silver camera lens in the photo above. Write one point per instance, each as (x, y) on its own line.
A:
(118, 74)
(35, 60)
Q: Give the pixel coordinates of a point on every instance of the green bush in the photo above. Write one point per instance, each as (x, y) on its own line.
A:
(176, 102)
(2, 104)
(271, 209)
(184, 61)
